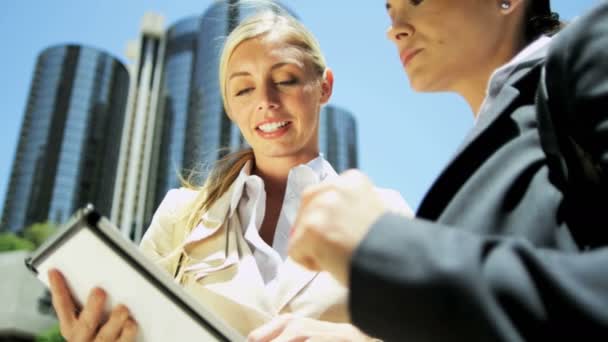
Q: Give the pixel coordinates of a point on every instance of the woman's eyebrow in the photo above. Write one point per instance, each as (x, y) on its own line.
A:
(237, 74)
(290, 60)
(274, 67)
(280, 65)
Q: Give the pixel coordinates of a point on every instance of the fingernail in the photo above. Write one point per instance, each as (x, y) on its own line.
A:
(52, 274)
(99, 292)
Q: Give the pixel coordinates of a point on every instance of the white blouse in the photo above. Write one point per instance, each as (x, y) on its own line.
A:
(249, 198)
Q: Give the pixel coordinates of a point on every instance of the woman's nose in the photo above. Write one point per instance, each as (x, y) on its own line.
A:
(400, 32)
(268, 99)
(265, 105)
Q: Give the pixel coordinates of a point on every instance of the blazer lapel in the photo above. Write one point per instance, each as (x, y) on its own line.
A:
(212, 219)
(463, 161)
(507, 95)
(292, 279)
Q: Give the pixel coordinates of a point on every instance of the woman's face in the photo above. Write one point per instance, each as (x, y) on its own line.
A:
(274, 96)
(443, 43)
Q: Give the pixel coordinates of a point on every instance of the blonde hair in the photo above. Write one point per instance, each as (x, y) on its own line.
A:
(277, 23)
(273, 19)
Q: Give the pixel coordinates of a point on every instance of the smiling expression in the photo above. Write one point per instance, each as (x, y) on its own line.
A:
(274, 95)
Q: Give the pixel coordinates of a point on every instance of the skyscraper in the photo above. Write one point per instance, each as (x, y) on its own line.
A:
(139, 148)
(68, 146)
(338, 137)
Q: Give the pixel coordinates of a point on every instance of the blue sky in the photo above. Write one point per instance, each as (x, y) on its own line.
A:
(405, 138)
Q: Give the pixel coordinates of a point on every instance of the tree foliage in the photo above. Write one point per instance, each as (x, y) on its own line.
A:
(51, 335)
(33, 236)
(37, 233)
(12, 242)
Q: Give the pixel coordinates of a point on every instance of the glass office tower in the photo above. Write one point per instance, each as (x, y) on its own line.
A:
(178, 104)
(138, 159)
(338, 137)
(68, 146)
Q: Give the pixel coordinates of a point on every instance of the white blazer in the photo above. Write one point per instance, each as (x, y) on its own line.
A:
(226, 278)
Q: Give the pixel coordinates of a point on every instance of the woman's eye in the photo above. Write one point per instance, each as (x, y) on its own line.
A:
(243, 91)
(288, 82)
(416, 2)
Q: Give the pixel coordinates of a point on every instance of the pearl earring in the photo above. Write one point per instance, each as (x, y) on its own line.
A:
(505, 4)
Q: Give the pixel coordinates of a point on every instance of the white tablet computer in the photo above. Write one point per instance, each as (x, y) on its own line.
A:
(90, 251)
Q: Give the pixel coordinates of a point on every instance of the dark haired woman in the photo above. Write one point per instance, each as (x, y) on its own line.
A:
(493, 252)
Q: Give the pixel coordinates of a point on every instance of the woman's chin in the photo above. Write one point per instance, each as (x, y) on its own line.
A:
(287, 154)
(277, 152)
(421, 85)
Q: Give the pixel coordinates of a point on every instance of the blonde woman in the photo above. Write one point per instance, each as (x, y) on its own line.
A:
(226, 242)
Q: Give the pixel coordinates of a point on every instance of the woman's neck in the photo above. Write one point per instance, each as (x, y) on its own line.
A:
(275, 170)
(473, 89)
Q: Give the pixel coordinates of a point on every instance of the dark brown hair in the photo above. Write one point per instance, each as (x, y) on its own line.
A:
(540, 20)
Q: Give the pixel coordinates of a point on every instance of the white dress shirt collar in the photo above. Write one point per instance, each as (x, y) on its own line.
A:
(249, 200)
(533, 52)
(319, 167)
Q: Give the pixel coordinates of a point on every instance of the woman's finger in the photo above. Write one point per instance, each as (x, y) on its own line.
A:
(111, 330)
(270, 330)
(62, 301)
(90, 317)
(312, 191)
(129, 331)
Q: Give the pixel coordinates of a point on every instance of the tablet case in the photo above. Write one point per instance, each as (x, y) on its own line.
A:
(90, 251)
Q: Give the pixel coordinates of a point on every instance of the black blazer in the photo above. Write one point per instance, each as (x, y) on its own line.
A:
(490, 256)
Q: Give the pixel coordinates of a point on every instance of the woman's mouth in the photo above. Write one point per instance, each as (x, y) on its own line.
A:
(273, 129)
(407, 55)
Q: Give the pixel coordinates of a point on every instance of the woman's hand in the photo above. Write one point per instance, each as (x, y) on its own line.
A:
(87, 325)
(334, 216)
(292, 328)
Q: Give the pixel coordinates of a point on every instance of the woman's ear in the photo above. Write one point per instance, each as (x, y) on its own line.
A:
(327, 85)
(509, 6)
